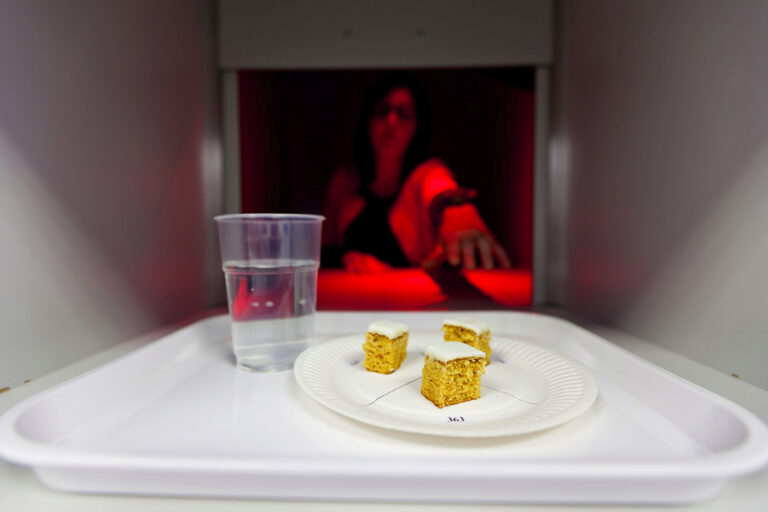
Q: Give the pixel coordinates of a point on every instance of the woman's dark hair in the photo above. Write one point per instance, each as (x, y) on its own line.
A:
(418, 150)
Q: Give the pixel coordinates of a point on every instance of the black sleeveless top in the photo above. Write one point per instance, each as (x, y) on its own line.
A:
(370, 232)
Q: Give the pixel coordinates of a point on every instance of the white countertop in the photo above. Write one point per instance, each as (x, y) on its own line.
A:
(21, 490)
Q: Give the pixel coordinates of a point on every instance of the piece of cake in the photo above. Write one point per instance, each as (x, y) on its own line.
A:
(451, 373)
(385, 344)
(472, 332)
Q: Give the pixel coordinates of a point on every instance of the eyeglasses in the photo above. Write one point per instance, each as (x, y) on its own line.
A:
(402, 113)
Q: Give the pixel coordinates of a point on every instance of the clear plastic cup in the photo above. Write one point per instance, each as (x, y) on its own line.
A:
(270, 264)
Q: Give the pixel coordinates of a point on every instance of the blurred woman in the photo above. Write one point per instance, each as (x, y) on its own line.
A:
(398, 207)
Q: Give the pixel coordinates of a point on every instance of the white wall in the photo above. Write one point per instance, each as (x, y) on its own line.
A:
(333, 34)
(663, 132)
(107, 136)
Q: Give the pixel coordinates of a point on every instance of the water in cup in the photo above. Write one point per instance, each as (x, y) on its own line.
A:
(272, 305)
(270, 263)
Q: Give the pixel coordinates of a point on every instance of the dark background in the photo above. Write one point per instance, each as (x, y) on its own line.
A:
(296, 129)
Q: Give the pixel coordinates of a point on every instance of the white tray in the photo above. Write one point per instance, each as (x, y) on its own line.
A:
(177, 418)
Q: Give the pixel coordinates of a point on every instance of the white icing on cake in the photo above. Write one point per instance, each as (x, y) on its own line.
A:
(450, 350)
(473, 325)
(388, 328)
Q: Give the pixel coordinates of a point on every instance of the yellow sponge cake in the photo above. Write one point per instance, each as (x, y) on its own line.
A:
(472, 332)
(385, 344)
(451, 373)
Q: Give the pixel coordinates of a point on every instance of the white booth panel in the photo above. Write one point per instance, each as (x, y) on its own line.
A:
(279, 34)
(108, 168)
(663, 133)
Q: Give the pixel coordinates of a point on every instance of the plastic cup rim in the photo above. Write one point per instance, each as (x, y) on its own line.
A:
(298, 217)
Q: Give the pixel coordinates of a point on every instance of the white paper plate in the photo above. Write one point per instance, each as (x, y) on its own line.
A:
(525, 389)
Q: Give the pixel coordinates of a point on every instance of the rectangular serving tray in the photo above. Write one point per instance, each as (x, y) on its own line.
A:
(177, 418)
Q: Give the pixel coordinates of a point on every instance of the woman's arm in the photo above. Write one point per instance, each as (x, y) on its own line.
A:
(461, 233)
(460, 244)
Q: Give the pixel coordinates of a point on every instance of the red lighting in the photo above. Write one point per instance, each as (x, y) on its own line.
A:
(415, 289)
(407, 289)
(511, 288)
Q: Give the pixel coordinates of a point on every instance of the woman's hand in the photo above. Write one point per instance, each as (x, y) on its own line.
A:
(361, 263)
(461, 248)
